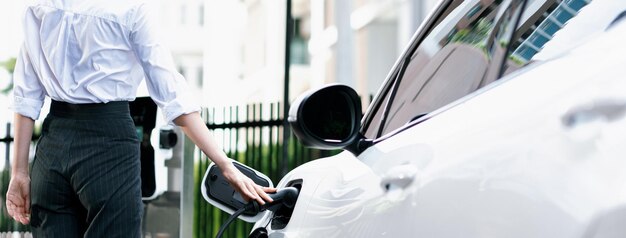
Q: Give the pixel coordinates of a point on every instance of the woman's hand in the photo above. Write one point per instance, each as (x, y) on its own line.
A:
(196, 130)
(18, 198)
(18, 193)
(245, 186)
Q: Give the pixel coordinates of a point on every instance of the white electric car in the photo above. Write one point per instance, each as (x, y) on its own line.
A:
(503, 118)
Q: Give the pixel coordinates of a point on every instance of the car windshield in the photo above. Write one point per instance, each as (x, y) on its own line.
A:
(470, 45)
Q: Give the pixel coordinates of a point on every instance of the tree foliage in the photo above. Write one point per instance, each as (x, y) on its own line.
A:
(8, 65)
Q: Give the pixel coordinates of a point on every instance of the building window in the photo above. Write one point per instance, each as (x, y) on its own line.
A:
(181, 71)
(200, 80)
(201, 14)
(474, 10)
(299, 42)
(183, 14)
(548, 24)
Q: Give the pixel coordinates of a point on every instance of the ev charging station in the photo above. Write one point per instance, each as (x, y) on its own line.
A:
(167, 177)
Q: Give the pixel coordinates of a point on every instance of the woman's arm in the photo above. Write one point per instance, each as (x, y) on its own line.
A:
(196, 130)
(169, 90)
(18, 193)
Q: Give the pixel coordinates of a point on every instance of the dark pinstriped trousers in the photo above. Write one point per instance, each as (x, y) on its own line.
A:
(85, 178)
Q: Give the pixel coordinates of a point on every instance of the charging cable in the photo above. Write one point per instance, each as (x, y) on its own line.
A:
(285, 197)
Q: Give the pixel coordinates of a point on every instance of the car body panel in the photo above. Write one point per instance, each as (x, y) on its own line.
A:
(506, 161)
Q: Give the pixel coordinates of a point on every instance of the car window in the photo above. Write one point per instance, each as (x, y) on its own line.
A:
(465, 50)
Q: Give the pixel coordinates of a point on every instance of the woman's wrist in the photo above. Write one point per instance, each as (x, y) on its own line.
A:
(19, 172)
(19, 167)
(225, 164)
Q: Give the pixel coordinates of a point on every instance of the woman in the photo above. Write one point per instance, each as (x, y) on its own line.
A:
(85, 178)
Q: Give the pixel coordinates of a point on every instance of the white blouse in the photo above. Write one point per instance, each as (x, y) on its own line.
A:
(95, 51)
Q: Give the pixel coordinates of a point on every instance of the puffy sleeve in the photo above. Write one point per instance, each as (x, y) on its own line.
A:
(28, 93)
(166, 86)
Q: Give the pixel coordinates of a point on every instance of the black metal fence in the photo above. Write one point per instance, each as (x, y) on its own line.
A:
(253, 135)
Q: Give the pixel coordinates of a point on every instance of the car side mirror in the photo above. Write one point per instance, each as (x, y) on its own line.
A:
(327, 118)
(217, 191)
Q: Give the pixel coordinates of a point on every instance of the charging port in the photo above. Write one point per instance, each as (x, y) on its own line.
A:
(283, 215)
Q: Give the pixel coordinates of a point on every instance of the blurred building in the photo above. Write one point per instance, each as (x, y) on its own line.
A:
(352, 42)
(232, 52)
(184, 32)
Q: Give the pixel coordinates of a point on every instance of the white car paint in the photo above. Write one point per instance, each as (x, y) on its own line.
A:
(502, 162)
